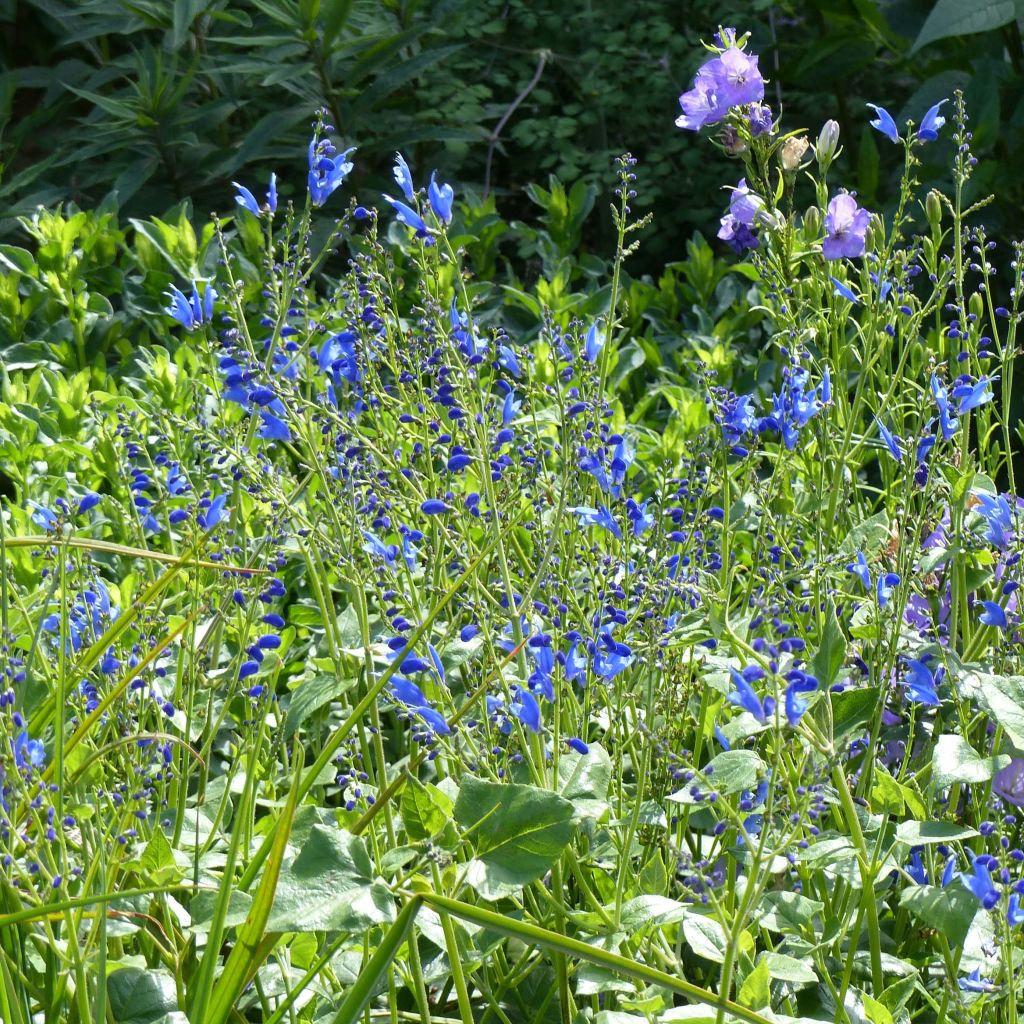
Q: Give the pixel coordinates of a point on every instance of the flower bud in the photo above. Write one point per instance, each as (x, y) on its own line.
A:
(732, 141)
(933, 209)
(975, 304)
(792, 153)
(827, 144)
(812, 223)
(876, 233)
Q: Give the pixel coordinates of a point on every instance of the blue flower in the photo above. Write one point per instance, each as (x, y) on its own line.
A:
(971, 396)
(860, 570)
(610, 656)
(247, 200)
(376, 547)
(993, 615)
(884, 123)
(214, 513)
(844, 291)
(403, 176)
(28, 753)
(43, 517)
(578, 745)
(273, 428)
(194, 312)
(593, 344)
(434, 507)
(408, 216)
(979, 881)
(974, 982)
(948, 423)
(600, 516)
(639, 517)
(931, 123)
(745, 697)
(916, 869)
(890, 441)
(886, 582)
(799, 683)
(995, 510)
(921, 683)
(326, 170)
(525, 708)
(1014, 913)
(441, 199)
(88, 501)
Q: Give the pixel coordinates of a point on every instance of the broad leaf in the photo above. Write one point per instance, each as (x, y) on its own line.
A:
(922, 833)
(950, 910)
(956, 18)
(584, 779)
(955, 760)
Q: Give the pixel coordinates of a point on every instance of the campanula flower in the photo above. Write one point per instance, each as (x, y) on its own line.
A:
(948, 423)
(408, 216)
(979, 881)
(403, 176)
(441, 198)
(995, 510)
(884, 123)
(194, 312)
(796, 705)
(931, 123)
(921, 683)
(1008, 782)
(993, 615)
(248, 201)
(846, 226)
(737, 77)
(745, 697)
(600, 516)
(890, 441)
(702, 104)
(759, 117)
(327, 170)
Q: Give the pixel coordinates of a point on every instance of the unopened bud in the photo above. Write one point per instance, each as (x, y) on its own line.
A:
(876, 233)
(792, 153)
(975, 304)
(812, 223)
(933, 209)
(732, 141)
(827, 144)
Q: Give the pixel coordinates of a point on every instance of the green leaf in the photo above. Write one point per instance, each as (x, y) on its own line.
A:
(956, 18)
(786, 911)
(517, 832)
(136, 996)
(729, 772)
(310, 696)
(1004, 696)
(705, 936)
(869, 536)
(950, 910)
(583, 779)
(831, 653)
(955, 760)
(886, 793)
(425, 809)
(787, 968)
(329, 886)
(851, 709)
(755, 991)
(158, 859)
(923, 833)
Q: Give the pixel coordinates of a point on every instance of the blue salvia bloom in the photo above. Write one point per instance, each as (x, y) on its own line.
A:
(273, 428)
(971, 396)
(639, 517)
(593, 343)
(441, 199)
(979, 881)
(974, 982)
(995, 510)
(949, 870)
(403, 176)
(526, 708)
(327, 171)
(921, 683)
(578, 745)
(883, 591)
(435, 661)
(890, 441)
(510, 408)
(43, 517)
(434, 507)
(191, 312)
(611, 656)
(884, 123)
(796, 705)
(948, 423)
(1014, 912)
(993, 615)
(376, 547)
(408, 216)
(600, 516)
(247, 200)
(745, 697)
(28, 753)
(931, 123)
(845, 291)
(214, 513)
(576, 664)
(507, 361)
(860, 570)
(916, 869)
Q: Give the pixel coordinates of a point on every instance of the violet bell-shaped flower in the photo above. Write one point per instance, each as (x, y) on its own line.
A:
(846, 227)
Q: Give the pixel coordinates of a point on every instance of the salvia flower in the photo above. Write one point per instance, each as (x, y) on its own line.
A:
(887, 582)
(974, 982)
(948, 423)
(995, 510)
(441, 198)
(993, 615)
(327, 169)
(798, 683)
(403, 177)
(846, 227)
(746, 698)
(931, 123)
(890, 440)
(600, 516)
(192, 312)
(979, 881)
(884, 123)
(921, 683)
(408, 216)
(248, 201)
